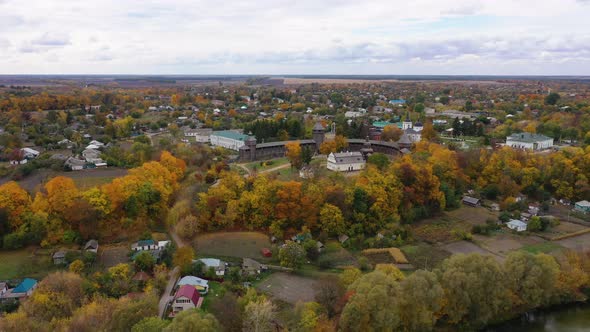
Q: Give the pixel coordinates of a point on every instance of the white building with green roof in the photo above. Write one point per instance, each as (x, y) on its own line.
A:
(228, 139)
(529, 141)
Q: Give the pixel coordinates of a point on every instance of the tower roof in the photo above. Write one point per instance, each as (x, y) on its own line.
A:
(318, 126)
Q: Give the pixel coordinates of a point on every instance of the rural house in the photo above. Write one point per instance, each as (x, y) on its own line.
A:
(186, 298)
(252, 267)
(24, 289)
(144, 245)
(471, 201)
(516, 225)
(582, 206)
(217, 265)
(201, 285)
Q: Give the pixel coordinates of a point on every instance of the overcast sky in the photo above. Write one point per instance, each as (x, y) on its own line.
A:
(491, 37)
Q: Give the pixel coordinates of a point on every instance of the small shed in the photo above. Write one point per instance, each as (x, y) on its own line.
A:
(343, 238)
(59, 257)
(582, 206)
(266, 252)
(517, 225)
(91, 245)
(471, 201)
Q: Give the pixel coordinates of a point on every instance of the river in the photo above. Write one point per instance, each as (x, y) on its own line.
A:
(574, 318)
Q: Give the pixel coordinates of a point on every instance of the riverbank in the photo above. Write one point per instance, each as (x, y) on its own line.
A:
(573, 317)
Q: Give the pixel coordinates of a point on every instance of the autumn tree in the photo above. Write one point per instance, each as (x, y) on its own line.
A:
(373, 306)
(331, 220)
(291, 255)
(421, 299)
(183, 258)
(259, 316)
(293, 153)
(391, 133)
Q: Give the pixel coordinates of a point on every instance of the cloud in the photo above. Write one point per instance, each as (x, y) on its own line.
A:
(51, 40)
(276, 36)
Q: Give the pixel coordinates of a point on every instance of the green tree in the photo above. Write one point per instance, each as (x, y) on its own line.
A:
(292, 255)
(532, 279)
(150, 324)
(420, 300)
(193, 321)
(552, 98)
(144, 261)
(374, 305)
(474, 287)
(380, 160)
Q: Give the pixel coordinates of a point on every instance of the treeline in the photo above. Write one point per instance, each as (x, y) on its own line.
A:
(61, 213)
(467, 292)
(411, 187)
(389, 193)
(268, 130)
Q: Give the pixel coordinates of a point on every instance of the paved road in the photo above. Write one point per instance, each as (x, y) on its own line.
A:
(166, 297)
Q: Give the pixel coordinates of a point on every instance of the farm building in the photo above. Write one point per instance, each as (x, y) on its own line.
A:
(517, 225)
(471, 201)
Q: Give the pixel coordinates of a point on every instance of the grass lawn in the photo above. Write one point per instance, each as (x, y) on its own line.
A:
(22, 263)
(423, 255)
(216, 291)
(287, 174)
(266, 164)
(543, 247)
(91, 182)
(233, 244)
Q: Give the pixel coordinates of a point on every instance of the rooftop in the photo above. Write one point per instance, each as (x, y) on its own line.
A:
(25, 285)
(230, 134)
(528, 137)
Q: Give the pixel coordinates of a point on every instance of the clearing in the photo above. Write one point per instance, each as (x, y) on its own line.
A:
(502, 243)
(288, 287)
(113, 255)
(581, 242)
(233, 244)
(466, 247)
(84, 179)
(472, 215)
(27, 262)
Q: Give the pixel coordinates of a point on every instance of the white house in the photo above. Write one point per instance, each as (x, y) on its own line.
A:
(529, 141)
(517, 225)
(143, 245)
(187, 297)
(29, 153)
(346, 161)
(75, 164)
(228, 139)
(216, 264)
(353, 114)
(202, 135)
(201, 285)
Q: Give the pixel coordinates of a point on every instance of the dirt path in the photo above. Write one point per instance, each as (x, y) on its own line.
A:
(270, 170)
(173, 275)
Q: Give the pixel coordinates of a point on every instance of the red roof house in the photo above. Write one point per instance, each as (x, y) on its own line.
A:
(186, 297)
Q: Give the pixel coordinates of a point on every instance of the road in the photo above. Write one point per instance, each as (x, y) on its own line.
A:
(173, 275)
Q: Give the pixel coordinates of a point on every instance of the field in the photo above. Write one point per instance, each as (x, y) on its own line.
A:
(542, 247)
(25, 263)
(339, 256)
(472, 215)
(466, 247)
(581, 242)
(425, 256)
(502, 243)
(113, 255)
(288, 287)
(84, 179)
(234, 244)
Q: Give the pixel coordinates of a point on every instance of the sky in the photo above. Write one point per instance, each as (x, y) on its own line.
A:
(274, 37)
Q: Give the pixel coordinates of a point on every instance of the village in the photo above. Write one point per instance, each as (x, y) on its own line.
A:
(276, 194)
